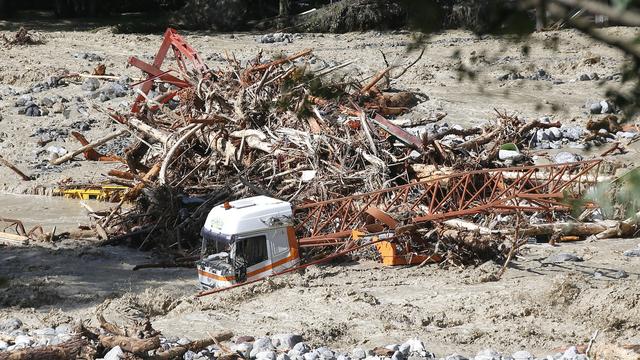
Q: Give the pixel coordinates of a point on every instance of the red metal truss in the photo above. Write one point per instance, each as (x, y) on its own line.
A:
(182, 51)
(504, 190)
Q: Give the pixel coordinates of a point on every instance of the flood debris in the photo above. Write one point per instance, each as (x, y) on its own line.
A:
(23, 37)
(336, 148)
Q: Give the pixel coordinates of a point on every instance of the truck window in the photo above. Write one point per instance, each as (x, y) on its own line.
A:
(279, 242)
(253, 249)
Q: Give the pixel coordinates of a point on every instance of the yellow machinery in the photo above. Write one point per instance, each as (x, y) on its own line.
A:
(90, 192)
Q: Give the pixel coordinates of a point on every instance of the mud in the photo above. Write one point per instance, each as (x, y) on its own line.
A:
(536, 306)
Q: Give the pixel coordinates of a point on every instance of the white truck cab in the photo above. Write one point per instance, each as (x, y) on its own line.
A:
(245, 240)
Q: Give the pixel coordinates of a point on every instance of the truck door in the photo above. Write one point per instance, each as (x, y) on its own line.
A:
(249, 251)
(278, 244)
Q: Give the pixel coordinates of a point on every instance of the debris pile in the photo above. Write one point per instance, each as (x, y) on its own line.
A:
(292, 130)
(23, 37)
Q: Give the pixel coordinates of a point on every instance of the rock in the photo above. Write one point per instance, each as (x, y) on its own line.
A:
(245, 339)
(488, 354)
(594, 76)
(33, 110)
(555, 133)
(573, 133)
(393, 347)
(632, 252)
(570, 353)
(541, 135)
(114, 354)
(244, 349)
(183, 341)
(47, 101)
(606, 108)
(398, 356)
(57, 108)
(561, 257)
(511, 155)
(358, 354)
(302, 348)
(287, 341)
(275, 37)
(564, 157)
(23, 99)
(416, 347)
(595, 108)
(626, 134)
(456, 357)
(88, 56)
(325, 353)
(10, 325)
(55, 152)
(260, 345)
(283, 357)
(90, 84)
(312, 355)
(23, 340)
(266, 355)
(620, 274)
(189, 355)
(522, 355)
(584, 77)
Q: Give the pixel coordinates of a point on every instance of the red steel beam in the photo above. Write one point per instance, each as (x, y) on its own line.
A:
(528, 189)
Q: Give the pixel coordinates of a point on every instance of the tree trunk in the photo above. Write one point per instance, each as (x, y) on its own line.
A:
(67, 350)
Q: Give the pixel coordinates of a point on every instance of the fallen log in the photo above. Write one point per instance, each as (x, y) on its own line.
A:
(79, 151)
(625, 228)
(65, 351)
(571, 228)
(129, 344)
(13, 239)
(178, 351)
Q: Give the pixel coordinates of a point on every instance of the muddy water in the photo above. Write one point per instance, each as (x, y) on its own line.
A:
(47, 211)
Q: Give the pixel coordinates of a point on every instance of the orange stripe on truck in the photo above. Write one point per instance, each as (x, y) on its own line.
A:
(253, 273)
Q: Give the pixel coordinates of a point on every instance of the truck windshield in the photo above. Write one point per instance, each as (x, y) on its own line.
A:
(213, 243)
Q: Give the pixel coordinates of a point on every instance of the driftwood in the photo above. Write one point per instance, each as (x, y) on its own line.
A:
(129, 344)
(178, 351)
(577, 229)
(167, 159)
(13, 239)
(22, 175)
(135, 191)
(92, 145)
(65, 351)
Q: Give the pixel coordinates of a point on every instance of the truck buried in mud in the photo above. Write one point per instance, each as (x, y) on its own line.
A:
(246, 240)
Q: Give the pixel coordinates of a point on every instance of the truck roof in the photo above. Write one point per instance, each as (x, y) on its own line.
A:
(248, 215)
